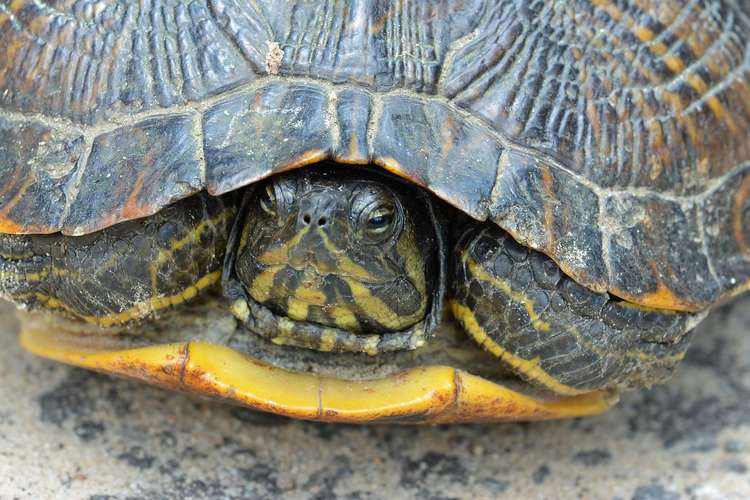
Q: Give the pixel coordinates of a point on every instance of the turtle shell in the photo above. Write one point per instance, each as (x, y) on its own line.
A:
(612, 136)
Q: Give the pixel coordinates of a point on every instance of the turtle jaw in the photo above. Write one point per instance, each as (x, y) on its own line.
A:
(431, 394)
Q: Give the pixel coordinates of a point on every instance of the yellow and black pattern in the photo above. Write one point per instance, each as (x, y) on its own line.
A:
(517, 304)
(337, 262)
(123, 273)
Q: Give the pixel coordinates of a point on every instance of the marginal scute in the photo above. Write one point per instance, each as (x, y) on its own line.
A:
(656, 256)
(428, 143)
(547, 210)
(726, 229)
(252, 135)
(36, 164)
(353, 110)
(136, 170)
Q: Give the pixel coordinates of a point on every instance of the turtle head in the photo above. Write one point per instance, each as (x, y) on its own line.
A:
(328, 248)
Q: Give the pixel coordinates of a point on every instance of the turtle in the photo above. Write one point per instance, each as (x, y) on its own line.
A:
(375, 210)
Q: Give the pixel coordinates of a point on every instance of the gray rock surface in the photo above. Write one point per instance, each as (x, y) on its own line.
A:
(68, 433)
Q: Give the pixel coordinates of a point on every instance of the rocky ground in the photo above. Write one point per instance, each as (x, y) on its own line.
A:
(67, 433)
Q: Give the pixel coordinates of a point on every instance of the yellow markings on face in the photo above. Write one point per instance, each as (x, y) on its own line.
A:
(139, 310)
(285, 330)
(414, 264)
(345, 311)
(310, 295)
(280, 254)
(378, 310)
(345, 265)
(345, 318)
(192, 237)
(297, 309)
(528, 367)
(477, 272)
(371, 345)
(260, 289)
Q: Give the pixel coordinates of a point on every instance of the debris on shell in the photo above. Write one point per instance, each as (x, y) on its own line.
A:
(273, 57)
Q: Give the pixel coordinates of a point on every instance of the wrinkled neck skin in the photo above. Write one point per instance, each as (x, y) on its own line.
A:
(350, 252)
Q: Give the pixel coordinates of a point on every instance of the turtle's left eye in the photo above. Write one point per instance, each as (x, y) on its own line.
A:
(380, 220)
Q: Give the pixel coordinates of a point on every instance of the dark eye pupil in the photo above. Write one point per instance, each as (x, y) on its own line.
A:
(379, 221)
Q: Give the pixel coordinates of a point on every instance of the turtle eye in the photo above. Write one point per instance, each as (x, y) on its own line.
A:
(379, 220)
(267, 199)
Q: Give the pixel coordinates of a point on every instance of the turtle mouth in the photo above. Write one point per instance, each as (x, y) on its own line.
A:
(205, 353)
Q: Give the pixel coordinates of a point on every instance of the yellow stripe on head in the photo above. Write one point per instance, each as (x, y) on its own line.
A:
(345, 265)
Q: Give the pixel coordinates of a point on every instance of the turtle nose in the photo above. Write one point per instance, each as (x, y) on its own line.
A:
(316, 210)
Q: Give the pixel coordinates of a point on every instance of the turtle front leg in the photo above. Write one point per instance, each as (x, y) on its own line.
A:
(553, 332)
(124, 273)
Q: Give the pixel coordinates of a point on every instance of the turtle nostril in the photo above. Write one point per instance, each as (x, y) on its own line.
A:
(306, 218)
(322, 221)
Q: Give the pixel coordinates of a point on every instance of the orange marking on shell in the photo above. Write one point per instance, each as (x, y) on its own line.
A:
(678, 108)
(661, 298)
(643, 33)
(306, 158)
(676, 65)
(131, 209)
(393, 166)
(609, 8)
(18, 195)
(8, 226)
(11, 51)
(742, 90)
(738, 224)
(353, 156)
(549, 215)
(718, 110)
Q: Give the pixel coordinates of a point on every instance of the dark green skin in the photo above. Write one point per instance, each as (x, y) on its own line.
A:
(614, 345)
(107, 272)
(594, 340)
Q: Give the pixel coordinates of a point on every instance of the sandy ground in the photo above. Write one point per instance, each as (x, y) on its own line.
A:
(67, 433)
